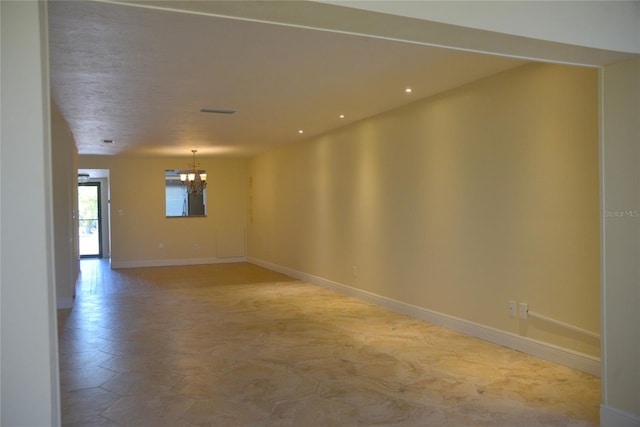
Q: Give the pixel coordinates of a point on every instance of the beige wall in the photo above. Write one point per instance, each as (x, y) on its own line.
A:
(137, 212)
(620, 160)
(29, 382)
(64, 158)
(457, 204)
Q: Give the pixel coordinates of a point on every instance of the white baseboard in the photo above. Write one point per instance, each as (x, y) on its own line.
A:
(64, 302)
(173, 262)
(562, 356)
(611, 417)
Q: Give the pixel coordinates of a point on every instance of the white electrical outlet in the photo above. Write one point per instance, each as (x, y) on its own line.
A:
(523, 310)
(512, 309)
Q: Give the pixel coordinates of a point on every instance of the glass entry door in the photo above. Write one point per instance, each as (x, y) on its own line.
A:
(89, 220)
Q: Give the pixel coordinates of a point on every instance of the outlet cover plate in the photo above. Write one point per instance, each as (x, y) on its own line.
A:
(523, 310)
(512, 309)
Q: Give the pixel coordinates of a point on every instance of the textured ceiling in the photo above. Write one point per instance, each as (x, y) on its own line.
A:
(139, 76)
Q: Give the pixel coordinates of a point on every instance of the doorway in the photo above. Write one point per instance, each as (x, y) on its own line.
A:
(89, 220)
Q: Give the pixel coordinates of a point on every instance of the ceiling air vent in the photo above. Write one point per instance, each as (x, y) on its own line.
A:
(217, 110)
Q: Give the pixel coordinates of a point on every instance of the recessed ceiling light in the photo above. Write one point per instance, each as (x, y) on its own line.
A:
(342, 116)
(108, 141)
(408, 90)
(300, 131)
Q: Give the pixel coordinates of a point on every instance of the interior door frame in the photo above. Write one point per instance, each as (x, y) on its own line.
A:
(98, 186)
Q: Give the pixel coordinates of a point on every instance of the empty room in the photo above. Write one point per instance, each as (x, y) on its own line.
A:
(310, 213)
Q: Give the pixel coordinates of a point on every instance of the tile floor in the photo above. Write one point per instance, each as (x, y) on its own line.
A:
(238, 345)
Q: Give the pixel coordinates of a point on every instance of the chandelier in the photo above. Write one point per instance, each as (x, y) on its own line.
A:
(195, 181)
